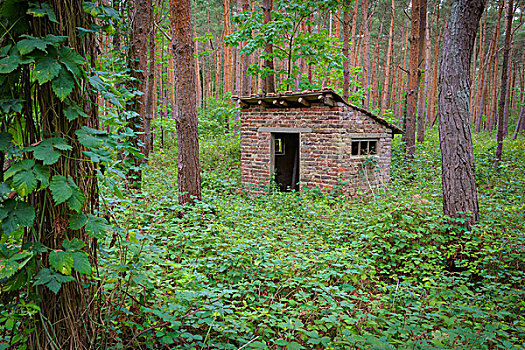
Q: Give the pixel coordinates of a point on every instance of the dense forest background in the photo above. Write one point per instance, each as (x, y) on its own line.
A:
(124, 222)
(308, 44)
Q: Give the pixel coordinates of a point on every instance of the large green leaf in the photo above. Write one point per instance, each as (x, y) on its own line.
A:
(9, 64)
(77, 221)
(28, 45)
(8, 268)
(73, 111)
(77, 199)
(5, 141)
(46, 69)
(16, 215)
(61, 189)
(46, 150)
(96, 226)
(25, 164)
(63, 84)
(61, 261)
(71, 60)
(81, 262)
(42, 174)
(41, 10)
(90, 137)
(25, 182)
(73, 245)
(51, 279)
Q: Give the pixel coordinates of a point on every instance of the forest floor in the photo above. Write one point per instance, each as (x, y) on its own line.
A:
(317, 270)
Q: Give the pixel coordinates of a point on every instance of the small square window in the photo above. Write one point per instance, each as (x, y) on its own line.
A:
(364, 147)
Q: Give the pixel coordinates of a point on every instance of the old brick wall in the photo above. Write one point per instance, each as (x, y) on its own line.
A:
(326, 134)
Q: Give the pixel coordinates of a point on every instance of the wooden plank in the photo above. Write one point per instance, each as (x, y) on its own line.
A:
(304, 102)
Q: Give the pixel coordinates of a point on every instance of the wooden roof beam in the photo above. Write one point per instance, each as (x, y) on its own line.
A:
(303, 102)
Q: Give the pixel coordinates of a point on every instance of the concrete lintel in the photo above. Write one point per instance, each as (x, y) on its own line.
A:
(366, 135)
(284, 130)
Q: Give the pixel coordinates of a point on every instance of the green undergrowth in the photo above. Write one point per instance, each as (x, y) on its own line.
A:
(317, 271)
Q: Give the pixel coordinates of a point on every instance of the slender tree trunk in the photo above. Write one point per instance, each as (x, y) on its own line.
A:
(386, 85)
(374, 80)
(413, 81)
(457, 155)
(424, 55)
(520, 125)
(353, 57)
(150, 92)
(246, 60)
(269, 81)
(346, 45)
(504, 77)
(142, 18)
(197, 64)
(188, 175)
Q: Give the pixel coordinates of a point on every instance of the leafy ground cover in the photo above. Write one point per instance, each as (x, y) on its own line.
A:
(313, 270)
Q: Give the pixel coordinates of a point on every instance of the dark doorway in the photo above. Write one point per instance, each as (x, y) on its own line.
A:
(286, 160)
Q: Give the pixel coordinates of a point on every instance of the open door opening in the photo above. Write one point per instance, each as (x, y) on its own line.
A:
(286, 160)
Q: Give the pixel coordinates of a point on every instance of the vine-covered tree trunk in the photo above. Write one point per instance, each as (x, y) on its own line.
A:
(457, 157)
(504, 79)
(138, 62)
(189, 178)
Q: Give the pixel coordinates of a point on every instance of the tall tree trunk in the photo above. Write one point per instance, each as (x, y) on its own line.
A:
(457, 155)
(150, 92)
(353, 57)
(269, 81)
(374, 82)
(413, 80)
(366, 53)
(142, 18)
(424, 55)
(65, 319)
(520, 124)
(246, 60)
(228, 66)
(346, 45)
(386, 85)
(504, 77)
(189, 178)
(197, 64)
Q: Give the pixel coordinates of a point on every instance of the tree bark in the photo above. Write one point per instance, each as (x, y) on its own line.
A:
(269, 80)
(197, 64)
(189, 178)
(413, 81)
(150, 92)
(246, 60)
(346, 46)
(64, 320)
(142, 17)
(504, 78)
(457, 155)
(386, 85)
(424, 55)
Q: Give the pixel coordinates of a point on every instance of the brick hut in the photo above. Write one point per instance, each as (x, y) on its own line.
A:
(313, 138)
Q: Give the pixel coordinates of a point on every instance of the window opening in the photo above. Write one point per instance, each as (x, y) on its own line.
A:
(364, 147)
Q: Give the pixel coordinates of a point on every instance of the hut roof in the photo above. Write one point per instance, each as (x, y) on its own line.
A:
(305, 99)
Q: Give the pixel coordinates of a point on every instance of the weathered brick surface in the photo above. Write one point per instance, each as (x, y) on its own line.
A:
(325, 152)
